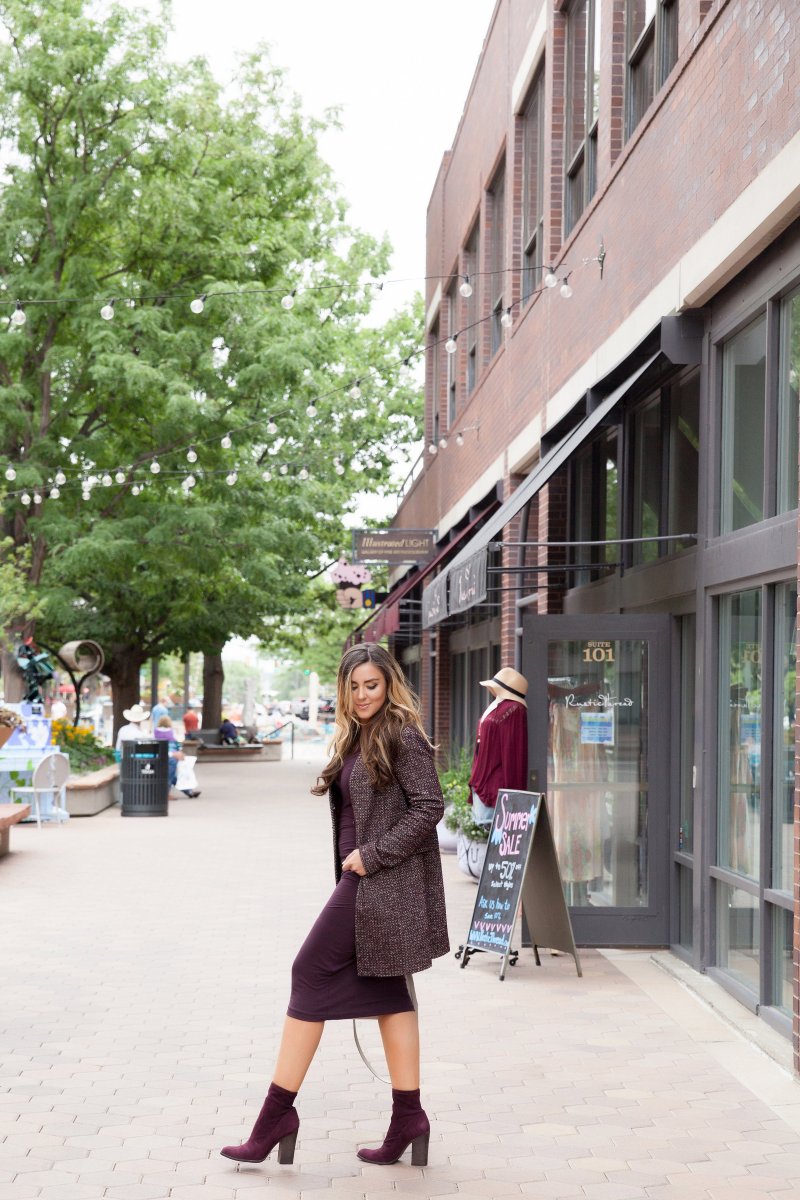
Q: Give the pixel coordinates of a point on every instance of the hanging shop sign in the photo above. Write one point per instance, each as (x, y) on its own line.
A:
(434, 601)
(393, 546)
(520, 871)
(468, 583)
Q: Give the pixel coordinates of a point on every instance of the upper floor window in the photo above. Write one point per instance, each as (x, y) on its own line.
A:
(583, 94)
(497, 263)
(434, 367)
(452, 359)
(652, 50)
(472, 258)
(533, 186)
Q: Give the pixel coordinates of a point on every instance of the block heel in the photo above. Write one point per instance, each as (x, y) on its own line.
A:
(419, 1150)
(286, 1149)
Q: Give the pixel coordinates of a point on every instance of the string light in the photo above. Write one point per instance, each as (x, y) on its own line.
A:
(226, 442)
(451, 345)
(191, 455)
(550, 279)
(54, 493)
(11, 473)
(566, 290)
(120, 476)
(106, 481)
(135, 489)
(25, 499)
(231, 478)
(284, 469)
(272, 428)
(61, 478)
(466, 288)
(189, 482)
(302, 473)
(266, 476)
(443, 443)
(507, 320)
(107, 311)
(288, 301)
(86, 495)
(37, 499)
(355, 390)
(198, 304)
(459, 439)
(19, 318)
(155, 467)
(311, 411)
(433, 448)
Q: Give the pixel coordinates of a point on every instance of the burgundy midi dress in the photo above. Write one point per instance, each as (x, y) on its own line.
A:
(326, 985)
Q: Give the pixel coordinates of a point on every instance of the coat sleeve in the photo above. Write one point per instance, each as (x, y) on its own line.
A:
(415, 772)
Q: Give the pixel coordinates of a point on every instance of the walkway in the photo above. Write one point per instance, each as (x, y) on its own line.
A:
(143, 975)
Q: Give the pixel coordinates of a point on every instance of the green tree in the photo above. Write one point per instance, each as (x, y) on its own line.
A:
(133, 180)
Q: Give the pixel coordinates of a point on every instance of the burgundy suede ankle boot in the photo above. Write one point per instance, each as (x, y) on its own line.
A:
(276, 1124)
(409, 1126)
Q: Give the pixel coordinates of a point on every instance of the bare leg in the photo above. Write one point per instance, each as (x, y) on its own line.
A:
(400, 1034)
(298, 1046)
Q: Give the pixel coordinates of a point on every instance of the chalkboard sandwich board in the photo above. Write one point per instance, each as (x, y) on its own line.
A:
(521, 868)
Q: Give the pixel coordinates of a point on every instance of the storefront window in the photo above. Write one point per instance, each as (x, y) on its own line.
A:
(782, 960)
(458, 735)
(738, 947)
(743, 417)
(739, 772)
(686, 827)
(685, 907)
(684, 460)
(788, 411)
(783, 742)
(647, 478)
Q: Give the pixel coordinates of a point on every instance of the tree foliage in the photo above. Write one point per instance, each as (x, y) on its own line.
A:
(132, 179)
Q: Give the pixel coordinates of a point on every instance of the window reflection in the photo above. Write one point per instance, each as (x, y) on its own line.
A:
(743, 415)
(739, 804)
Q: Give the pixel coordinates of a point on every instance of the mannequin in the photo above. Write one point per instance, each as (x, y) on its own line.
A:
(501, 746)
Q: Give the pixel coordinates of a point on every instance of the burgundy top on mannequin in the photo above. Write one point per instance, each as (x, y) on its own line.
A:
(501, 752)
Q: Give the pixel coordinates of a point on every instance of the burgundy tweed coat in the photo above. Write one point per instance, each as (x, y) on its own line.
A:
(401, 925)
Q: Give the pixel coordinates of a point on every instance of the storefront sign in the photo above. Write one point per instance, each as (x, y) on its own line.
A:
(393, 545)
(434, 601)
(597, 728)
(468, 583)
(521, 869)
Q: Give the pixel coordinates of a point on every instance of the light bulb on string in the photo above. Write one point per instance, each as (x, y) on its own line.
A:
(86, 495)
(272, 428)
(37, 499)
(311, 411)
(226, 442)
(339, 469)
(198, 304)
(25, 499)
(18, 316)
(443, 443)
(459, 439)
(106, 481)
(433, 448)
(231, 478)
(288, 301)
(61, 478)
(120, 476)
(54, 493)
(189, 482)
(355, 390)
(11, 473)
(466, 288)
(550, 279)
(92, 481)
(451, 345)
(155, 467)
(191, 455)
(136, 489)
(302, 473)
(266, 476)
(284, 469)
(566, 290)
(507, 320)
(107, 311)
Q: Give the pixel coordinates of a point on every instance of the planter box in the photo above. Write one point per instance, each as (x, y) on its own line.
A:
(471, 856)
(448, 839)
(91, 793)
(263, 752)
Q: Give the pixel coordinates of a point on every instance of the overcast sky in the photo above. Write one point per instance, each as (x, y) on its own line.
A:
(399, 69)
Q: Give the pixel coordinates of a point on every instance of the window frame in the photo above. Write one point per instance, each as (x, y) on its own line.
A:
(497, 255)
(581, 163)
(472, 259)
(452, 359)
(660, 35)
(533, 132)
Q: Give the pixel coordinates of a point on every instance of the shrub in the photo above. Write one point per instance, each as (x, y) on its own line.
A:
(86, 751)
(459, 814)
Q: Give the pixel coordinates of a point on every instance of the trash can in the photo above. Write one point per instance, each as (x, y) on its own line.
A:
(144, 778)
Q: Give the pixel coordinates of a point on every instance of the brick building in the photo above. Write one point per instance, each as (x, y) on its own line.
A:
(611, 461)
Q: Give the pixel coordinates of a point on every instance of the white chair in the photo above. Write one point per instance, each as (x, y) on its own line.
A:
(50, 775)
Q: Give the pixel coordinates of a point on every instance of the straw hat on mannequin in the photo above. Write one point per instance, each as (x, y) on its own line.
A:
(507, 684)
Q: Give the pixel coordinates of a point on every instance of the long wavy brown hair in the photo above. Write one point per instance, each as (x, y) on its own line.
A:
(380, 738)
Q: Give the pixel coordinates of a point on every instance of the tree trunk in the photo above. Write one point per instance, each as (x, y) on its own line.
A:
(154, 673)
(213, 678)
(13, 685)
(123, 670)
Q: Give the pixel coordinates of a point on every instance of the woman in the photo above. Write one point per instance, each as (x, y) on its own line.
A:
(386, 917)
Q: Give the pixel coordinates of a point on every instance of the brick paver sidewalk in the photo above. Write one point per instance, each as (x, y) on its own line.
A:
(144, 973)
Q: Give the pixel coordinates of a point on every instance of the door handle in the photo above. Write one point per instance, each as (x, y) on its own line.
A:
(534, 780)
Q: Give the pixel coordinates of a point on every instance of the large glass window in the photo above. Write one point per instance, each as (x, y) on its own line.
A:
(533, 186)
(782, 969)
(452, 359)
(647, 480)
(744, 360)
(497, 267)
(738, 935)
(789, 382)
(783, 740)
(652, 51)
(684, 460)
(739, 774)
(594, 508)
(583, 104)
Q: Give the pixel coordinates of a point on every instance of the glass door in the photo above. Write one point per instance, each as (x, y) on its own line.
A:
(599, 702)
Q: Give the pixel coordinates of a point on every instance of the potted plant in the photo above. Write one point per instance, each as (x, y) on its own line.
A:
(458, 830)
(9, 721)
(455, 787)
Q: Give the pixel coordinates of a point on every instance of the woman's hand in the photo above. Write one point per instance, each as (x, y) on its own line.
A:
(353, 863)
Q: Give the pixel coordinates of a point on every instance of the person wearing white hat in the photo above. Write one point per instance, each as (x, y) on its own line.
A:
(501, 746)
(135, 716)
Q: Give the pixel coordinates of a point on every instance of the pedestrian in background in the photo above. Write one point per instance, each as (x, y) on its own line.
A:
(386, 917)
(135, 717)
